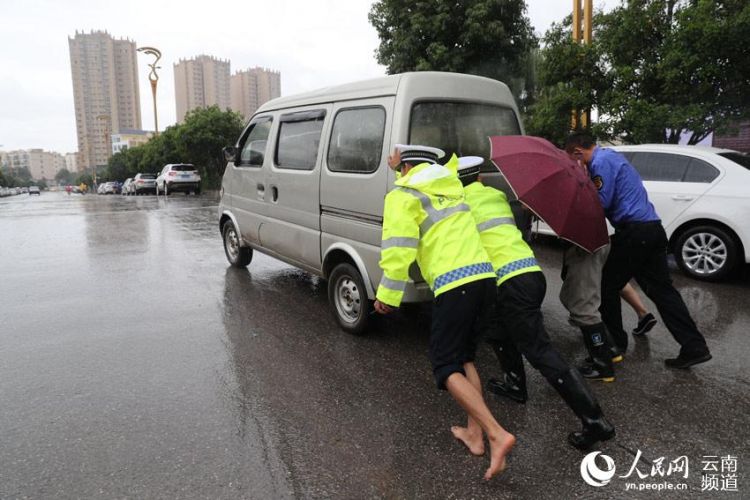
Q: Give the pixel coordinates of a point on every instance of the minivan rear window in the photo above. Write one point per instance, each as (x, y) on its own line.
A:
(461, 127)
(183, 168)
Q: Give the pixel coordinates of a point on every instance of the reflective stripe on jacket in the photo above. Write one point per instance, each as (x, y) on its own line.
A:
(425, 219)
(502, 240)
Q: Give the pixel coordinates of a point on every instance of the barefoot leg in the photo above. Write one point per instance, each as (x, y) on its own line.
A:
(501, 441)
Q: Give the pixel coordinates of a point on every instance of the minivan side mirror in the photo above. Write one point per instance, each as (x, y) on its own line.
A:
(230, 154)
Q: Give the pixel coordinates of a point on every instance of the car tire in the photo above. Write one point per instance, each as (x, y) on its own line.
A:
(237, 255)
(347, 297)
(706, 252)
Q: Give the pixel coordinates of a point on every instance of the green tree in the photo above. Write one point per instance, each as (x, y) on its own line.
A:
(199, 140)
(64, 176)
(492, 38)
(656, 68)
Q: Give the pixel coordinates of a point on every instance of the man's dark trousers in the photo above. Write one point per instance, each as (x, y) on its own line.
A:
(639, 250)
(521, 326)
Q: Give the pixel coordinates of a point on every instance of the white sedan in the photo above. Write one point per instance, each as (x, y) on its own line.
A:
(702, 196)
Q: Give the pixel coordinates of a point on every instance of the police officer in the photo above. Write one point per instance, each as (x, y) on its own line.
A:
(519, 325)
(638, 249)
(425, 219)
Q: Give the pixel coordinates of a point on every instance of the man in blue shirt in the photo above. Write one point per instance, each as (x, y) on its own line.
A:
(638, 250)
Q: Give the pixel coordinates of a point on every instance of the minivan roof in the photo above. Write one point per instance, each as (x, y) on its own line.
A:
(387, 85)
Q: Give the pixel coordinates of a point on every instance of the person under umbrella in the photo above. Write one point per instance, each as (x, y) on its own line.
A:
(517, 325)
(639, 250)
(559, 192)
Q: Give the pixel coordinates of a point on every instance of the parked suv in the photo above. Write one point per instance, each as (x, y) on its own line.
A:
(178, 177)
(144, 183)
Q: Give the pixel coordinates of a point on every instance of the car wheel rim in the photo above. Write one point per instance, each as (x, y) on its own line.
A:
(704, 253)
(348, 302)
(233, 244)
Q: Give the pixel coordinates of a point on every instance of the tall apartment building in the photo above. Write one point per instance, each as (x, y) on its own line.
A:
(254, 87)
(43, 165)
(105, 92)
(71, 162)
(201, 82)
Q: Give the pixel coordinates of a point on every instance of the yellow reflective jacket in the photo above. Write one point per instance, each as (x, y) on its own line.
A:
(425, 219)
(501, 238)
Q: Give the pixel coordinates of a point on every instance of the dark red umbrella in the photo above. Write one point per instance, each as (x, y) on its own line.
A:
(553, 186)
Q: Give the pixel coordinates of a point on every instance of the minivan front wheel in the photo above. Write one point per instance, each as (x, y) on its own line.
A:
(347, 296)
(706, 252)
(237, 255)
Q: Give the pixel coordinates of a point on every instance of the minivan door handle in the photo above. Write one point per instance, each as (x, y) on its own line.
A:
(683, 197)
(261, 190)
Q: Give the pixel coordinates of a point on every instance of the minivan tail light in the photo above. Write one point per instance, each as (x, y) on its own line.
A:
(172, 173)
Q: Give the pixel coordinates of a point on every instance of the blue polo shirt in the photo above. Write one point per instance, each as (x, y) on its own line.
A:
(620, 188)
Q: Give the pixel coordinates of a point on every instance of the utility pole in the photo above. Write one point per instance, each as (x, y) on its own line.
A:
(582, 33)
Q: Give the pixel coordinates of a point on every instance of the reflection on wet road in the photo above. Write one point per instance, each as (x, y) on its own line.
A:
(134, 362)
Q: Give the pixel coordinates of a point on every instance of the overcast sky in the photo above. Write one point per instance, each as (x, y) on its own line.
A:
(313, 43)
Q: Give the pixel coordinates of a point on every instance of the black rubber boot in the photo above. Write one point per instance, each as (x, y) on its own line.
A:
(578, 396)
(614, 351)
(512, 384)
(600, 366)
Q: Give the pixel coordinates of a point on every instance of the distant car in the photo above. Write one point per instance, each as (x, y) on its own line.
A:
(144, 183)
(127, 187)
(178, 177)
(34, 190)
(702, 197)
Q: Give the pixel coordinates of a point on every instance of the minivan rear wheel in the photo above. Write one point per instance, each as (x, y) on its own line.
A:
(347, 296)
(237, 255)
(706, 253)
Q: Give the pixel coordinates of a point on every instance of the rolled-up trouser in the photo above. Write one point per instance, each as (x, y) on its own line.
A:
(521, 323)
(457, 319)
(581, 291)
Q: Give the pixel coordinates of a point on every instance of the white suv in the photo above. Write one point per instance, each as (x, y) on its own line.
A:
(178, 177)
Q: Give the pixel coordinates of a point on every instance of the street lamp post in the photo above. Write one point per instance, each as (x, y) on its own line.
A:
(153, 78)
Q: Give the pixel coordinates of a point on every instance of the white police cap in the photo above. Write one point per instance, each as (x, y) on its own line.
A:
(469, 165)
(412, 153)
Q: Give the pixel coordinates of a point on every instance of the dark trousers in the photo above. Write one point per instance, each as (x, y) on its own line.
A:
(519, 327)
(640, 251)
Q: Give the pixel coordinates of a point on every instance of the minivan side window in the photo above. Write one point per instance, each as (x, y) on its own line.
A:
(299, 139)
(254, 147)
(461, 127)
(356, 144)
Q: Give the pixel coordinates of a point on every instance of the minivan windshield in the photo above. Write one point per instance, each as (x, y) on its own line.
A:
(739, 158)
(461, 127)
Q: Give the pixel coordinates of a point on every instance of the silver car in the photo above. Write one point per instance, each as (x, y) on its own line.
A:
(144, 183)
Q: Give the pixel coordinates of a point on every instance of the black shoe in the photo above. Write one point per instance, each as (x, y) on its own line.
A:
(617, 356)
(597, 371)
(645, 324)
(508, 388)
(684, 362)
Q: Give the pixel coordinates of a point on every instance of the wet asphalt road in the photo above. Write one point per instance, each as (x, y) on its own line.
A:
(134, 362)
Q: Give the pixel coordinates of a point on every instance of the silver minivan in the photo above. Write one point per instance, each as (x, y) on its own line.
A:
(306, 181)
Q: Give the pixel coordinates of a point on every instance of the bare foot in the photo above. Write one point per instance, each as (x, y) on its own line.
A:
(473, 441)
(499, 449)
